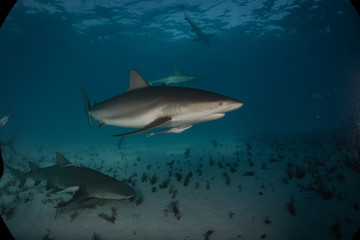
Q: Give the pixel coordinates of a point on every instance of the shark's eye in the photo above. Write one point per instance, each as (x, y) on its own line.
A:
(221, 103)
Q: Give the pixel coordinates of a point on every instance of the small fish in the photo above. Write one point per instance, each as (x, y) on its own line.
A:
(4, 120)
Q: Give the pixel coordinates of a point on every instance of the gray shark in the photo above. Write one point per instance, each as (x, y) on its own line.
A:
(147, 107)
(200, 35)
(177, 78)
(86, 184)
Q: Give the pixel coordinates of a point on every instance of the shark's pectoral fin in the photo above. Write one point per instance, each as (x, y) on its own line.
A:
(71, 189)
(156, 123)
(171, 130)
(79, 196)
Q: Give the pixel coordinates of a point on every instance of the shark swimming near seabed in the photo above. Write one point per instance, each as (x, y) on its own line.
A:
(146, 107)
(177, 78)
(200, 35)
(85, 183)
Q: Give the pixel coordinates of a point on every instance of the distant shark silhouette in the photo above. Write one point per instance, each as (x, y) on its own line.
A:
(200, 35)
(177, 78)
(147, 107)
(85, 183)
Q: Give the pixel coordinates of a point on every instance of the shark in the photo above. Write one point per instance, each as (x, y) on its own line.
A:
(177, 78)
(147, 107)
(200, 35)
(85, 183)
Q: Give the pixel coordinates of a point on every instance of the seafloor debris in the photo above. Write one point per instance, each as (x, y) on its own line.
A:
(96, 236)
(291, 206)
(108, 218)
(336, 230)
(267, 219)
(47, 236)
(231, 214)
(153, 179)
(208, 234)
(248, 174)
(227, 178)
(139, 201)
(187, 178)
(187, 153)
(164, 183)
(173, 208)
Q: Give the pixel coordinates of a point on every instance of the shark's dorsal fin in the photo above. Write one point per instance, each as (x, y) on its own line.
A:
(61, 160)
(176, 71)
(136, 81)
(33, 166)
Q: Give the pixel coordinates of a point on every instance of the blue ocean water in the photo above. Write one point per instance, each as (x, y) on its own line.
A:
(294, 64)
(270, 55)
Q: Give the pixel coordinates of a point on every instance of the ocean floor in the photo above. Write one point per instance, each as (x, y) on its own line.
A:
(298, 186)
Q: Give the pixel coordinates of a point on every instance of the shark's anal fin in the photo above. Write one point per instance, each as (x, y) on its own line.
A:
(156, 123)
(71, 189)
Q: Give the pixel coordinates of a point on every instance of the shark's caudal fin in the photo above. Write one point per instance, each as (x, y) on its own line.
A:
(18, 174)
(11, 143)
(87, 105)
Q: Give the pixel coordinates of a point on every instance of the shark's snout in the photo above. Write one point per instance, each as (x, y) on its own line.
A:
(236, 105)
(233, 104)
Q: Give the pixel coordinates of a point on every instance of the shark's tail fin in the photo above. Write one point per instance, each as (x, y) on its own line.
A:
(87, 105)
(11, 142)
(183, 9)
(18, 174)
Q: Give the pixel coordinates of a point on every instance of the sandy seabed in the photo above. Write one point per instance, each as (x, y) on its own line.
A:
(299, 186)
